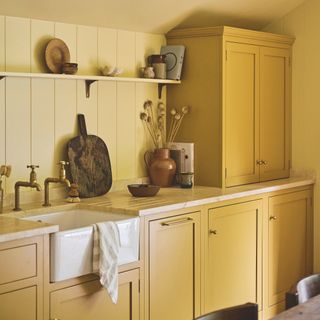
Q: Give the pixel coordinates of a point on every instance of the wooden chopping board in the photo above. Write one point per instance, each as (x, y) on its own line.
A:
(89, 160)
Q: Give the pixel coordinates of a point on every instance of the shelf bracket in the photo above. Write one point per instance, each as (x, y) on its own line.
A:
(160, 86)
(88, 84)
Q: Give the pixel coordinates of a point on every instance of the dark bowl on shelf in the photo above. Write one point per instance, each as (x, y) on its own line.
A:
(69, 68)
(143, 190)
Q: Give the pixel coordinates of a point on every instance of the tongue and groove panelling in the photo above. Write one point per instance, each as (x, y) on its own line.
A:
(38, 116)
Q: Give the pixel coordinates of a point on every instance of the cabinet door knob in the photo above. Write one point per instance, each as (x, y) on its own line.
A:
(213, 231)
(264, 162)
(273, 218)
(259, 162)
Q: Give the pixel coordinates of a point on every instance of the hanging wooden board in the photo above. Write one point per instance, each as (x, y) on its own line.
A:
(90, 166)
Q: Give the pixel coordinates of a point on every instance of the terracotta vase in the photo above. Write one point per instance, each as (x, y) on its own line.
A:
(161, 167)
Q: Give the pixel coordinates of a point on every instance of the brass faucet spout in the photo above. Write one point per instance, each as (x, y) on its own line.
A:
(62, 179)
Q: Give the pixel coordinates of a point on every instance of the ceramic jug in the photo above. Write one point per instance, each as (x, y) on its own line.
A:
(161, 168)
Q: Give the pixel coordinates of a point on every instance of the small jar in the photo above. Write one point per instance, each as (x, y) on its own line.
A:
(148, 72)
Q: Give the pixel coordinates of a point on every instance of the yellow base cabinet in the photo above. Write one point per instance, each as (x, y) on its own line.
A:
(174, 268)
(233, 255)
(91, 301)
(289, 245)
(21, 279)
(238, 83)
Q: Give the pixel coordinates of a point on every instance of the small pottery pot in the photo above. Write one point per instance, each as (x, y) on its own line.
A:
(161, 167)
(148, 72)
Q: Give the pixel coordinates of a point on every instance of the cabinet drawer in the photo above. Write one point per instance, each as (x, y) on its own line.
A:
(18, 263)
(19, 304)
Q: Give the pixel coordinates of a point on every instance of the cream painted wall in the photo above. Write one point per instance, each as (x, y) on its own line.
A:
(38, 116)
(304, 24)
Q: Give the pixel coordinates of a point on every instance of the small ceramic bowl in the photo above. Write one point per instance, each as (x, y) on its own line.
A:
(143, 190)
(69, 68)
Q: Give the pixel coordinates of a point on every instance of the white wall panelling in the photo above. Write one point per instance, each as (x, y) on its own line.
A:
(126, 48)
(41, 33)
(17, 44)
(42, 126)
(107, 120)
(18, 129)
(38, 116)
(126, 125)
(2, 42)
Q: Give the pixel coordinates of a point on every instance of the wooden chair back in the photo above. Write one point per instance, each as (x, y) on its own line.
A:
(248, 311)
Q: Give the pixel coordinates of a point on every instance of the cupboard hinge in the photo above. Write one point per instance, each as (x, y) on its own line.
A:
(226, 55)
(289, 163)
(139, 285)
(225, 172)
(289, 62)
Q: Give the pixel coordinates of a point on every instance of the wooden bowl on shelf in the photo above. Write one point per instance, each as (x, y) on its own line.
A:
(69, 68)
(143, 190)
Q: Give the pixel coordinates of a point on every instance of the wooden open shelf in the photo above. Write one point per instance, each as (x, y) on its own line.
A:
(89, 79)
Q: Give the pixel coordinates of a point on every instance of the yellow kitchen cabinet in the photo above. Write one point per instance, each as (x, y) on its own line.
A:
(233, 255)
(238, 84)
(174, 268)
(21, 282)
(289, 245)
(89, 300)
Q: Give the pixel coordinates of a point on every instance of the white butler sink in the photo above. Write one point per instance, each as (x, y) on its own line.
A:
(71, 247)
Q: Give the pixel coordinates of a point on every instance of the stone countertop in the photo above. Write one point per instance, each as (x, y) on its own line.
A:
(167, 199)
(13, 228)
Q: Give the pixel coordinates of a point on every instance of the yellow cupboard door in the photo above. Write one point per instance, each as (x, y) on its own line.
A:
(174, 268)
(241, 114)
(90, 301)
(232, 270)
(275, 83)
(19, 304)
(288, 244)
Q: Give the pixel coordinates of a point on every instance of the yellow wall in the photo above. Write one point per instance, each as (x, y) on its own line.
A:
(304, 24)
(38, 116)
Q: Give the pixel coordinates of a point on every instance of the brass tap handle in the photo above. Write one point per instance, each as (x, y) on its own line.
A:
(62, 172)
(33, 174)
(32, 166)
(63, 163)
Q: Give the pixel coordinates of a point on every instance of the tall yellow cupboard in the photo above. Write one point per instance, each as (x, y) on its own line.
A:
(237, 83)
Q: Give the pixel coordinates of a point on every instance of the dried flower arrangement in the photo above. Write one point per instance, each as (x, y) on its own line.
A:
(156, 127)
(176, 120)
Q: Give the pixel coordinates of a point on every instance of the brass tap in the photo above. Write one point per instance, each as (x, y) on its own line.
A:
(62, 179)
(32, 183)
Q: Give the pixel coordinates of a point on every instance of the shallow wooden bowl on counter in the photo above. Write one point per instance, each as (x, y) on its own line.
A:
(143, 190)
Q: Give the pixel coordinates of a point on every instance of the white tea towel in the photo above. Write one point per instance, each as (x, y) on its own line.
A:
(106, 244)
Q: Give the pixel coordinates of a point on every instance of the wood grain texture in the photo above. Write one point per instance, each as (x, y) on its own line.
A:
(305, 311)
(90, 166)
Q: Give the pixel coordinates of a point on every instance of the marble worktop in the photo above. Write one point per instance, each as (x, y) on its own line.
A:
(167, 199)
